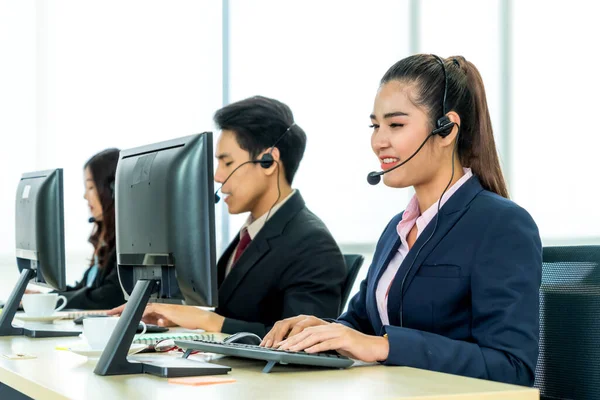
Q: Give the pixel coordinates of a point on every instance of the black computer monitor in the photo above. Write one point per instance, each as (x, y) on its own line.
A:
(165, 220)
(40, 244)
(166, 251)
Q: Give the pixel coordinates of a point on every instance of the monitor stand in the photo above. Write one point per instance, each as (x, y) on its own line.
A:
(113, 360)
(10, 309)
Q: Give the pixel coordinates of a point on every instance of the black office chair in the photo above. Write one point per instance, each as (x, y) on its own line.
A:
(353, 264)
(569, 362)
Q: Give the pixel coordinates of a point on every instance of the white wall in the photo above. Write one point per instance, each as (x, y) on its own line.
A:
(468, 28)
(556, 139)
(97, 75)
(18, 141)
(324, 59)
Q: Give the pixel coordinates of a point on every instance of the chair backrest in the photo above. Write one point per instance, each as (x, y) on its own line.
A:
(353, 264)
(569, 361)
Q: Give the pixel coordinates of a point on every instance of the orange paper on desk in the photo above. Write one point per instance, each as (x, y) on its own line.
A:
(200, 380)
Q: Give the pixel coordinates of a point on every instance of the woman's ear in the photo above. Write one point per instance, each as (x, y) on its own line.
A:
(449, 140)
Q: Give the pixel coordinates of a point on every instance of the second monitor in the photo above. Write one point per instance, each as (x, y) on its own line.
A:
(165, 242)
(165, 219)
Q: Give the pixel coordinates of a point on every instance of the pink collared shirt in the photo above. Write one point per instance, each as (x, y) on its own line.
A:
(412, 215)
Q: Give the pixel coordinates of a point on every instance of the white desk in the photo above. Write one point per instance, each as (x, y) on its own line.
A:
(60, 374)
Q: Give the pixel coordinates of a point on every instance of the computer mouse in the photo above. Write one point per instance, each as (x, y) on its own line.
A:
(244, 338)
(79, 320)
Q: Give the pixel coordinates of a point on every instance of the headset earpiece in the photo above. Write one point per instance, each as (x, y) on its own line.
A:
(266, 160)
(112, 189)
(444, 127)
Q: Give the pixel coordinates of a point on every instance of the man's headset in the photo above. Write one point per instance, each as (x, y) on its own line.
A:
(266, 161)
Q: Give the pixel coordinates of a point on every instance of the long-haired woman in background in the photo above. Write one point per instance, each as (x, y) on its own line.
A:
(99, 289)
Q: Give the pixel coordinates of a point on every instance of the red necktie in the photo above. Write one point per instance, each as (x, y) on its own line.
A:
(244, 242)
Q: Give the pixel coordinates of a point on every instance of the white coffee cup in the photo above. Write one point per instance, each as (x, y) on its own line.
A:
(97, 331)
(42, 304)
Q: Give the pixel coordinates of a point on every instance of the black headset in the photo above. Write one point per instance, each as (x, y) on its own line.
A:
(444, 125)
(267, 160)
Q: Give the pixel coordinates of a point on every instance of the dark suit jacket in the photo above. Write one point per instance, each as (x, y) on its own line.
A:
(471, 300)
(293, 266)
(104, 294)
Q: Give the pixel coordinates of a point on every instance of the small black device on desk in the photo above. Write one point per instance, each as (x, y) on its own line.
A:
(150, 328)
(245, 345)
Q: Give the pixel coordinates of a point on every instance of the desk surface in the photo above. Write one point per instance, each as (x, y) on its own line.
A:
(60, 374)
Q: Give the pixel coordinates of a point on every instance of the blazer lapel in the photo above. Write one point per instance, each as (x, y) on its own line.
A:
(388, 252)
(450, 214)
(253, 253)
(390, 249)
(258, 248)
(224, 260)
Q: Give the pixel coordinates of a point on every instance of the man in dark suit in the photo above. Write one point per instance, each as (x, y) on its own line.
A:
(284, 262)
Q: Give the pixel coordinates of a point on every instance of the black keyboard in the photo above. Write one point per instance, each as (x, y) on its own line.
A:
(272, 356)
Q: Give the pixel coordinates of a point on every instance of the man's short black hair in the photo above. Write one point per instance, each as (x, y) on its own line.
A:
(258, 122)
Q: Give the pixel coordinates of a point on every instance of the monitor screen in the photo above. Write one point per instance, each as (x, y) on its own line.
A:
(39, 227)
(165, 219)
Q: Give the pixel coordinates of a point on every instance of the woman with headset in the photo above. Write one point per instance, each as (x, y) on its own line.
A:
(99, 288)
(455, 278)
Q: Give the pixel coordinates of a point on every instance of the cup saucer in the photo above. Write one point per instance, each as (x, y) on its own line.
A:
(48, 318)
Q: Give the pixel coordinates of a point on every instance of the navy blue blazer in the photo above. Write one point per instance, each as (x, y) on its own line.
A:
(471, 300)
